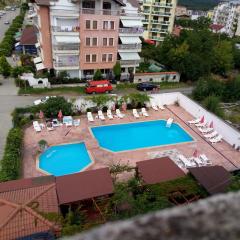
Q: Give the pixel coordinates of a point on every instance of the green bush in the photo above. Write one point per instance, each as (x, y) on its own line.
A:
(11, 161)
(212, 103)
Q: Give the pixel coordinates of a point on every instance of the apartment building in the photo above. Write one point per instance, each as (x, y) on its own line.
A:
(227, 14)
(81, 36)
(158, 18)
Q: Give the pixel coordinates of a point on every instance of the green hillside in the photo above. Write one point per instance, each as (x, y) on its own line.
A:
(198, 4)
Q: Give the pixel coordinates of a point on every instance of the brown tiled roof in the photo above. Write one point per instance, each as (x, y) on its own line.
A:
(84, 185)
(29, 36)
(20, 207)
(158, 170)
(215, 179)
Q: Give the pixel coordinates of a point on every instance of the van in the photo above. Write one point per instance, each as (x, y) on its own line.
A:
(103, 86)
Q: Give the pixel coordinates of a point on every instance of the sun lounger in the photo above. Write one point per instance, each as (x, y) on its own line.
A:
(154, 107)
(205, 159)
(201, 124)
(161, 107)
(90, 117)
(216, 139)
(187, 163)
(197, 160)
(109, 114)
(36, 126)
(195, 121)
(144, 112)
(100, 115)
(135, 113)
(119, 114)
(205, 130)
(76, 122)
(211, 135)
(169, 122)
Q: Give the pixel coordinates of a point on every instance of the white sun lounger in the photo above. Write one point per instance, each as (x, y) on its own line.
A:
(205, 159)
(109, 114)
(169, 122)
(36, 126)
(144, 112)
(154, 107)
(216, 139)
(90, 117)
(201, 124)
(197, 160)
(211, 135)
(76, 122)
(119, 114)
(100, 115)
(135, 113)
(195, 121)
(161, 107)
(205, 130)
(187, 163)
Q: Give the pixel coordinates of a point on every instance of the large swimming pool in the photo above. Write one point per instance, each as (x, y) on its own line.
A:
(130, 136)
(64, 159)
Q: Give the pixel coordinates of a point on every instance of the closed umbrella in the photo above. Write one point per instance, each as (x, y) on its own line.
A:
(41, 114)
(195, 153)
(211, 124)
(60, 115)
(202, 119)
(124, 107)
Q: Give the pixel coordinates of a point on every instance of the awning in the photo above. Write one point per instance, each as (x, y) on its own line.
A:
(67, 39)
(131, 23)
(37, 60)
(39, 66)
(37, 45)
(129, 56)
(130, 40)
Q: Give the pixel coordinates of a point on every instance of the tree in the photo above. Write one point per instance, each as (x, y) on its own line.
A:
(18, 70)
(42, 144)
(5, 68)
(138, 99)
(101, 100)
(117, 71)
(212, 103)
(97, 75)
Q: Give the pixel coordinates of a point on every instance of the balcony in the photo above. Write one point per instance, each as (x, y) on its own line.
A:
(164, 5)
(159, 39)
(129, 63)
(131, 30)
(99, 11)
(164, 14)
(66, 64)
(66, 29)
(129, 46)
(66, 47)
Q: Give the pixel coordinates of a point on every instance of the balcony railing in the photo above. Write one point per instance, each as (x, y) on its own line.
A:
(65, 28)
(129, 46)
(161, 13)
(67, 47)
(66, 64)
(99, 11)
(131, 30)
(160, 39)
(129, 62)
(158, 4)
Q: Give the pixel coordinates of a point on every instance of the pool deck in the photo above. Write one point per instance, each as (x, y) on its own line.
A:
(220, 154)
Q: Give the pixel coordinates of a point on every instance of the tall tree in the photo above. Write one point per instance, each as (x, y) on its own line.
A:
(5, 68)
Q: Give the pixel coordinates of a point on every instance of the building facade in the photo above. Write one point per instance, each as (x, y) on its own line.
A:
(227, 14)
(81, 36)
(158, 18)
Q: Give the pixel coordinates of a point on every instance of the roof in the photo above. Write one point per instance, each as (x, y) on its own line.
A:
(29, 36)
(20, 204)
(94, 83)
(84, 185)
(158, 170)
(215, 179)
(155, 73)
(216, 27)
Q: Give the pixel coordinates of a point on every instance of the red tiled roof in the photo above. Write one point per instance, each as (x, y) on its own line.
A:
(216, 27)
(29, 36)
(84, 185)
(158, 170)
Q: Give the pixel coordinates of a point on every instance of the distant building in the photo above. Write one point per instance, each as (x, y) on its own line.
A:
(197, 14)
(159, 18)
(181, 11)
(210, 14)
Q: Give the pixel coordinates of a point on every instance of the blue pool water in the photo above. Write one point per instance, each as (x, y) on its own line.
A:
(65, 159)
(123, 137)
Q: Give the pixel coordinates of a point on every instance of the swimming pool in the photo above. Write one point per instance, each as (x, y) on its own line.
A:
(130, 136)
(65, 159)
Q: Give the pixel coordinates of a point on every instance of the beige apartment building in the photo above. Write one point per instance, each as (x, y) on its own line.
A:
(81, 36)
(158, 18)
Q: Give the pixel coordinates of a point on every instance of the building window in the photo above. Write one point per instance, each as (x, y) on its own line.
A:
(110, 57)
(88, 24)
(94, 58)
(105, 25)
(94, 25)
(88, 58)
(104, 41)
(110, 41)
(88, 4)
(88, 41)
(111, 24)
(104, 57)
(94, 42)
(106, 5)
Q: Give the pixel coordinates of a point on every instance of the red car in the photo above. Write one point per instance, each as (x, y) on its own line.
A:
(102, 86)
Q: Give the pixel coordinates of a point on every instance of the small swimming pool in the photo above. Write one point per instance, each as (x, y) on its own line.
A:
(65, 159)
(130, 136)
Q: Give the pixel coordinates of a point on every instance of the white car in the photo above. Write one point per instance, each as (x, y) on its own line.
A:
(42, 100)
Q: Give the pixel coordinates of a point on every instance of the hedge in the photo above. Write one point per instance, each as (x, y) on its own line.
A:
(11, 161)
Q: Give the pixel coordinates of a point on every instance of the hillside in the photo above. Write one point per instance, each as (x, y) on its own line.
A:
(199, 4)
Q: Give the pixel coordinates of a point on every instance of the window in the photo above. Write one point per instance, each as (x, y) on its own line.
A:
(104, 57)
(94, 58)
(88, 4)
(105, 24)
(94, 25)
(111, 24)
(88, 24)
(88, 58)
(110, 57)
(88, 40)
(110, 42)
(106, 5)
(94, 42)
(104, 41)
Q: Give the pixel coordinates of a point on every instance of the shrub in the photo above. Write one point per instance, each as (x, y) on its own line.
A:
(212, 103)
(97, 75)
(5, 68)
(11, 161)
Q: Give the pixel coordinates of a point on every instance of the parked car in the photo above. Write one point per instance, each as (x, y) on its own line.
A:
(102, 86)
(6, 22)
(42, 100)
(145, 86)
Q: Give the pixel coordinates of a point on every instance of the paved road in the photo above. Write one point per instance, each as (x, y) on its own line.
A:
(9, 16)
